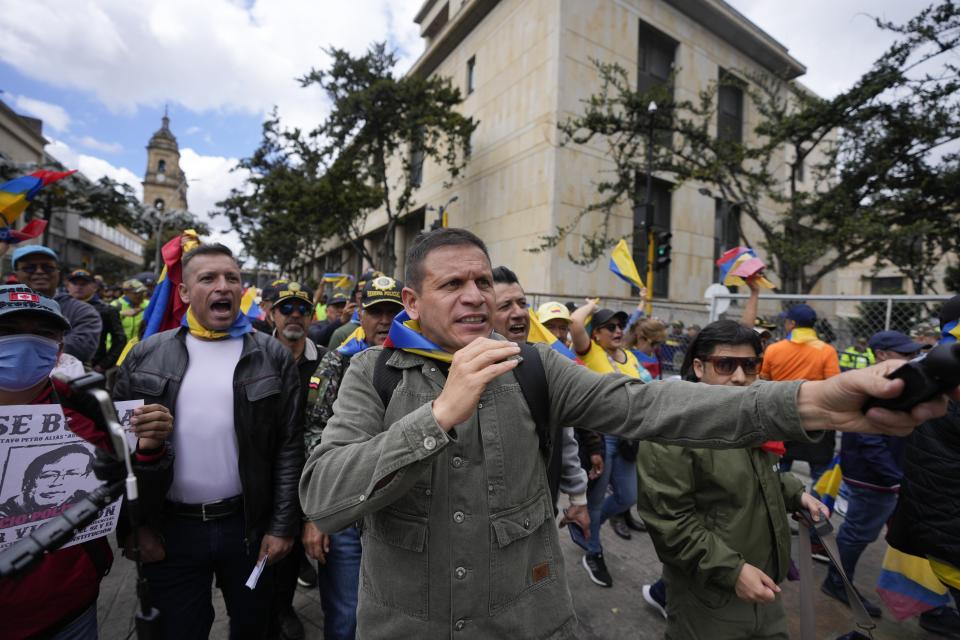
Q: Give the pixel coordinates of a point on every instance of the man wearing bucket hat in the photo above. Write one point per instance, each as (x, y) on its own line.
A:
(38, 267)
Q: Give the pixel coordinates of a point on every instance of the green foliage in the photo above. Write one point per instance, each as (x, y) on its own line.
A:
(306, 187)
(886, 190)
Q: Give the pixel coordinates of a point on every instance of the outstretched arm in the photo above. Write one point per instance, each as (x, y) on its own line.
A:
(578, 326)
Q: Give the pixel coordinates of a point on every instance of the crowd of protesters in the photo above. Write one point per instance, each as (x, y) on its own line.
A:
(403, 448)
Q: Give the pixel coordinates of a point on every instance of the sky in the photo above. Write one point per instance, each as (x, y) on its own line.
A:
(100, 73)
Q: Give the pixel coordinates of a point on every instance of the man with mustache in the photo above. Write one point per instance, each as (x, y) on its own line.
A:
(234, 395)
(447, 474)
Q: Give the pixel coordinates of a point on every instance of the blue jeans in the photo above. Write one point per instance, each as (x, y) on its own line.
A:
(867, 512)
(83, 627)
(621, 476)
(180, 584)
(339, 583)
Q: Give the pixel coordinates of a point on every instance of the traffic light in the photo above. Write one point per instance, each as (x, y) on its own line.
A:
(662, 250)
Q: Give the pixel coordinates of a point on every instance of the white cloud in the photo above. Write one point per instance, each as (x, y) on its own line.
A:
(211, 55)
(93, 167)
(97, 145)
(54, 116)
(210, 180)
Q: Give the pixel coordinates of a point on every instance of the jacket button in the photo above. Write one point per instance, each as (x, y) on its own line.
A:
(460, 572)
(458, 517)
(480, 406)
(428, 492)
(429, 443)
(459, 625)
(457, 462)
(490, 488)
(526, 523)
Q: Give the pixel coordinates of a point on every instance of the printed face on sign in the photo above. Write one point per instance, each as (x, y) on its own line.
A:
(57, 481)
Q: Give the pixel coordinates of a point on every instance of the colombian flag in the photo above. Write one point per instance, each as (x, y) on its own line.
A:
(16, 195)
(354, 344)
(338, 280)
(738, 265)
(950, 333)
(909, 586)
(166, 309)
(828, 486)
(539, 333)
(248, 304)
(622, 265)
(405, 335)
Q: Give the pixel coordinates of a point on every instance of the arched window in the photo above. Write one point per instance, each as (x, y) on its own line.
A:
(162, 166)
(159, 204)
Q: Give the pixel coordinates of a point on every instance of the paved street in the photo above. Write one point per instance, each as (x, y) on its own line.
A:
(605, 614)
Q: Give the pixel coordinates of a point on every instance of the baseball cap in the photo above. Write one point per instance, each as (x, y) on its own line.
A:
(18, 298)
(552, 310)
(290, 290)
(802, 314)
(895, 341)
(339, 297)
(133, 285)
(604, 316)
(80, 274)
(33, 249)
(146, 277)
(381, 289)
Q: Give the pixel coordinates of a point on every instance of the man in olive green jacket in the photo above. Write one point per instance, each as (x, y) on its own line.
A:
(448, 480)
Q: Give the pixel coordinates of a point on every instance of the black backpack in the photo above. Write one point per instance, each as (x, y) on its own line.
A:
(533, 384)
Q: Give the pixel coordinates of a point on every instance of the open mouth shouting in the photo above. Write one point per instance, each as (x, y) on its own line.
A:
(516, 331)
(221, 309)
(477, 324)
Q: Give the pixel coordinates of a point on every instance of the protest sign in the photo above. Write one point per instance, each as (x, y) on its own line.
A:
(44, 469)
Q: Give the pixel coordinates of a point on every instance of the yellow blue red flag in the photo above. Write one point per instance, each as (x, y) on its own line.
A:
(405, 335)
(738, 265)
(908, 585)
(622, 265)
(339, 280)
(828, 486)
(16, 195)
(248, 304)
(539, 333)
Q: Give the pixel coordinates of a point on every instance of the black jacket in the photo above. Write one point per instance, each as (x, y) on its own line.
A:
(266, 405)
(927, 519)
(106, 358)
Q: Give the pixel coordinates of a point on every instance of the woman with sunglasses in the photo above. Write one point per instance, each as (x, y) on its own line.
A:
(599, 344)
(718, 519)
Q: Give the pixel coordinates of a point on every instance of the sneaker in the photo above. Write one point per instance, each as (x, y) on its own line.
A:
(943, 621)
(637, 524)
(620, 527)
(650, 598)
(839, 593)
(308, 574)
(597, 569)
(819, 553)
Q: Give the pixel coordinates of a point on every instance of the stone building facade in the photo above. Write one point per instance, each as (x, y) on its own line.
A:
(524, 66)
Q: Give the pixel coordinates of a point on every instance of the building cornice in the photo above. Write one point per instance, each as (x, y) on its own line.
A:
(459, 27)
(737, 30)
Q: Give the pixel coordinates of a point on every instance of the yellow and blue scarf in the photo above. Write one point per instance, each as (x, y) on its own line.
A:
(240, 326)
(803, 335)
(354, 344)
(405, 335)
(950, 333)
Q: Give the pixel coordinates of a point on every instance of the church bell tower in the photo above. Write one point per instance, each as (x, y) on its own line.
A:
(164, 184)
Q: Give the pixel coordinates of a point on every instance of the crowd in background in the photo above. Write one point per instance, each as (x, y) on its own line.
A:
(718, 518)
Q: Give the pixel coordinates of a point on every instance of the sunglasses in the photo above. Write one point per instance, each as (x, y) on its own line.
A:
(286, 308)
(33, 268)
(613, 326)
(727, 365)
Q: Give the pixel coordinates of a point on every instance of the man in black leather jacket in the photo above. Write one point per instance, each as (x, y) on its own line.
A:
(234, 394)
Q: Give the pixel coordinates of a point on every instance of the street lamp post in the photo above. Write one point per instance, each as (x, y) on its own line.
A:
(651, 239)
(158, 209)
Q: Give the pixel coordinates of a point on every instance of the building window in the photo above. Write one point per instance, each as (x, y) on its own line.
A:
(656, 55)
(662, 221)
(730, 108)
(161, 166)
(886, 285)
(471, 74)
(726, 231)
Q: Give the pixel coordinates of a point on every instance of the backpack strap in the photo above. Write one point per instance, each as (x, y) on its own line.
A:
(533, 385)
(385, 379)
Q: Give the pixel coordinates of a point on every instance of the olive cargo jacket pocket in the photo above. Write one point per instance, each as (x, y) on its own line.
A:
(393, 568)
(520, 555)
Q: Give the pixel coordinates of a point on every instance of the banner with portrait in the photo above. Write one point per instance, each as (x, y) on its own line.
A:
(45, 469)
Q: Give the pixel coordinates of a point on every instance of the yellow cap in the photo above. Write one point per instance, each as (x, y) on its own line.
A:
(553, 310)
